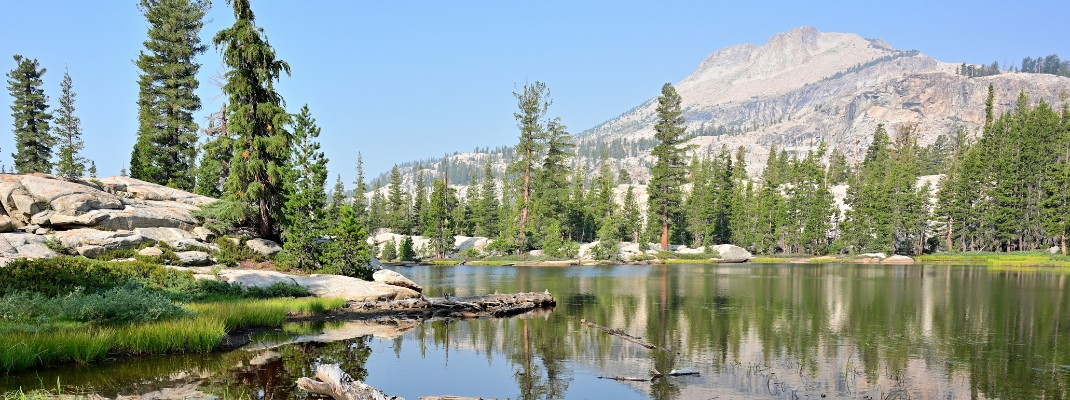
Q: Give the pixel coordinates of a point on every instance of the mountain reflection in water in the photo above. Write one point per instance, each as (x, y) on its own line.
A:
(753, 331)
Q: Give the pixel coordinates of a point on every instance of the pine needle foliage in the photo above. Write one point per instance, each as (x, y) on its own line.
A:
(669, 172)
(258, 119)
(305, 220)
(69, 132)
(166, 149)
(30, 117)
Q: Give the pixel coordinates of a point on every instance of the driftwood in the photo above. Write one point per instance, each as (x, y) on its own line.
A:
(331, 381)
(619, 333)
(655, 375)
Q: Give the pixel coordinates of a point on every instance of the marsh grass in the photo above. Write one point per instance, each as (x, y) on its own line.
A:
(24, 346)
(1014, 259)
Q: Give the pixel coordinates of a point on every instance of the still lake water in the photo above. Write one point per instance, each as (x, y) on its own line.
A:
(753, 331)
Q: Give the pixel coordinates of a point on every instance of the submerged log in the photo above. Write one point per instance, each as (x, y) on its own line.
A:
(619, 333)
(331, 381)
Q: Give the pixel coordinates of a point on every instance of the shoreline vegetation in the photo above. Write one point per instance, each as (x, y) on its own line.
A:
(72, 310)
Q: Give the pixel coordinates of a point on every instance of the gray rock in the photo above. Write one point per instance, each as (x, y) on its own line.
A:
(344, 287)
(18, 203)
(164, 234)
(42, 231)
(193, 258)
(67, 197)
(874, 255)
(263, 247)
(146, 216)
(203, 234)
(898, 259)
(732, 252)
(393, 278)
(30, 228)
(1054, 249)
(41, 218)
(90, 251)
(36, 250)
(536, 253)
(151, 252)
(110, 240)
(150, 191)
(185, 244)
(87, 219)
(374, 264)
(6, 224)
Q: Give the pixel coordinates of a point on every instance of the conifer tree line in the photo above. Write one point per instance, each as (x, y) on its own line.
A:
(1007, 190)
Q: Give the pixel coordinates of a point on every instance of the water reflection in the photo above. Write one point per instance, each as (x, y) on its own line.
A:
(792, 331)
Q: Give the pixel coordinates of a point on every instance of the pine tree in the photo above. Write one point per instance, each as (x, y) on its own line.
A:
(398, 217)
(167, 134)
(29, 112)
(669, 172)
(406, 252)
(92, 169)
(390, 250)
(305, 222)
(439, 228)
(632, 224)
(551, 179)
(377, 214)
(338, 198)
(488, 224)
(348, 252)
(257, 118)
(69, 131)
(216, 154)
(419, 203)
(533, 103)
(360, 202)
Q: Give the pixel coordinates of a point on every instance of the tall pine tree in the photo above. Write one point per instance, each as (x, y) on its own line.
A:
(305, 221)
(669, 172)
(166, 149)
(69, 132)
(257, 118)
(29, 113)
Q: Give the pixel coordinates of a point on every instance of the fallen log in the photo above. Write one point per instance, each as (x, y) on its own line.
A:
(482, 306)
(675, 372)
(619, 333)
(330, 380)
(626, 379)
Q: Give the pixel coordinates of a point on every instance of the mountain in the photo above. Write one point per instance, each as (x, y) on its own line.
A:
(800, 88)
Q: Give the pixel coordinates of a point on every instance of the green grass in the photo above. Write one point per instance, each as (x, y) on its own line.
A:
(689, 261)
(1013, 259)
(23, 347)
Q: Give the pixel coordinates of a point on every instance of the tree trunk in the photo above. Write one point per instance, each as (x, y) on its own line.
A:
(1062, 243)
(665, 230)
(949, 234)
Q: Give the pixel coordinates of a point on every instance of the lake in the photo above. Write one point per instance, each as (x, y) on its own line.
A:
(751, 330)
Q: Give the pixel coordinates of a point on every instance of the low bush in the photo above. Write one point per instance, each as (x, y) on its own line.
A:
(128, 304)
(231, 253)
(208, 290)
(59, 276)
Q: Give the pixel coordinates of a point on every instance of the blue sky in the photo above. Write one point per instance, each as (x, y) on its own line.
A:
(403, 80)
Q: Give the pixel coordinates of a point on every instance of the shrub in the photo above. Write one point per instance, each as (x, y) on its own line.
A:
(604, 250)
(471, 252)
(56, 246)
(58, 276)
(207, 289)
(129, 304)
(221, 216)
(230, 253)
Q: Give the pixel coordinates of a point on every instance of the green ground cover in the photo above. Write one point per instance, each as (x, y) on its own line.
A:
(75, 310)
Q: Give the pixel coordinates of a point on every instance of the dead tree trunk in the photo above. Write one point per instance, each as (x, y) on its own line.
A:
(334, 382)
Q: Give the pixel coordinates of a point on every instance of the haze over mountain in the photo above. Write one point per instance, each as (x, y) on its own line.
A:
(800, 88)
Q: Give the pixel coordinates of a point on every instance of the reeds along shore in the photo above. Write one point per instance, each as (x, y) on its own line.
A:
(22, 348)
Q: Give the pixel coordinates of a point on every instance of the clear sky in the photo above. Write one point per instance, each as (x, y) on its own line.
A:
(403, 80)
